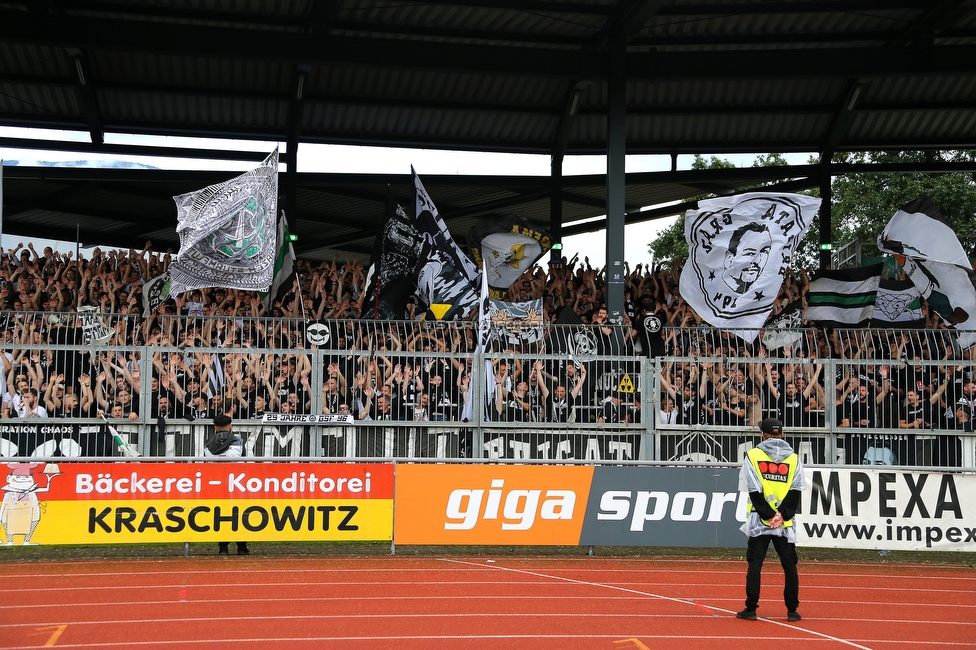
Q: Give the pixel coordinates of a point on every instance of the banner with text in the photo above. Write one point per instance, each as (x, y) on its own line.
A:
(137, 503)
(895, 510)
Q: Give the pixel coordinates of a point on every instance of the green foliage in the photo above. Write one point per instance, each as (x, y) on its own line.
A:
(670, 245)
(864, 203)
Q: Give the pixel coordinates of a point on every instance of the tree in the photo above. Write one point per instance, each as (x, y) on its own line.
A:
(864, 203)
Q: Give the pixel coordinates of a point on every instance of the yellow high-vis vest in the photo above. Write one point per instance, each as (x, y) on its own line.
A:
(776, 478)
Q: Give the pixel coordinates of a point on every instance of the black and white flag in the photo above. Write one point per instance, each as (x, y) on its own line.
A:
(228, 232)
(398, 252)
(94, 328)
(785, 328)
(935, 261)
(448, 281)
(516, 323)
(739, 249)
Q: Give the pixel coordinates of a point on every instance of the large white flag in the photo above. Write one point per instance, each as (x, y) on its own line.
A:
(739, 248)
(936, 262)
(227, 233)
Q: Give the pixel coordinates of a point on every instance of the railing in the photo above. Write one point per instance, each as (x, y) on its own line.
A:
(701, 407)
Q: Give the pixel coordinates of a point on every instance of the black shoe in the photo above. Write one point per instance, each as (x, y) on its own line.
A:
(793, 617)
(242, 549)
(747, 614)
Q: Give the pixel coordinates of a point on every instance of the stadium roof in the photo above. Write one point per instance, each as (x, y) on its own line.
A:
(702, 76)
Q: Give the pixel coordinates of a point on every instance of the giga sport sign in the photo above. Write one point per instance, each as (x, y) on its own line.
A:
(527, 505)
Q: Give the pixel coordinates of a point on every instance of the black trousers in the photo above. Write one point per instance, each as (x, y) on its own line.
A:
(756, 554)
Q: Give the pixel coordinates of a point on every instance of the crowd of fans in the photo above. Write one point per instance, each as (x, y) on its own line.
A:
(380, 371)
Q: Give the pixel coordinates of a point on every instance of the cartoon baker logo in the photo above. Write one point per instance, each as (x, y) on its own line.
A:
(740, 248)
(21, 509)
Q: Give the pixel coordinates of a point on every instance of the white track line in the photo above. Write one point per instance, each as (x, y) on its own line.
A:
(658, 596)
(182, 620)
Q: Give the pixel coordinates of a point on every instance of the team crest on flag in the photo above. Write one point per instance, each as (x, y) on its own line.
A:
(154, 293)
(228, 232)
(739, 249)
(506, 247)
(898, 305)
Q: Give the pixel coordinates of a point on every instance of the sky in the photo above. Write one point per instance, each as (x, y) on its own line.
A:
(320, 158)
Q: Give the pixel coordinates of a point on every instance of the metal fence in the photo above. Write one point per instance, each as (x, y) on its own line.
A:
(568, 393)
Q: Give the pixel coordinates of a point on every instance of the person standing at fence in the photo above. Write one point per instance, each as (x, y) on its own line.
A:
(772, 476)
(226, 443)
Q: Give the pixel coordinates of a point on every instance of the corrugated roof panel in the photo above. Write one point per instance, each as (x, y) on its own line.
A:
(776, 27)
(899, 126)
(490, 90)
(912, 90)
(30, 99)
(209, 111)
(417, 123)
(464, 23)
(732, 93)
(182, 72)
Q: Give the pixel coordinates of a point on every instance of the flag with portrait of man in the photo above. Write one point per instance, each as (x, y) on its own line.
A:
(739, 250)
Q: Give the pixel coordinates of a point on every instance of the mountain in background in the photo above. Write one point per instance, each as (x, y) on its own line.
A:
(112, 164)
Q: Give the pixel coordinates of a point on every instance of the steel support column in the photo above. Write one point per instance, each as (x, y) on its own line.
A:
(556, 205)
(616, 177)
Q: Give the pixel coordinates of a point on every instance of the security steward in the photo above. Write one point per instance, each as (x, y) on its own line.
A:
(772, 475)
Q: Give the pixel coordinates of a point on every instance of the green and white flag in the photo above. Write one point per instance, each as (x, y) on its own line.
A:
(154, 293)
(935, 261)
(284, 264)
(227, 233)
(843, 298)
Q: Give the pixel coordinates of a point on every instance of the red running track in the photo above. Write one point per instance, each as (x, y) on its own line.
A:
(505, 602)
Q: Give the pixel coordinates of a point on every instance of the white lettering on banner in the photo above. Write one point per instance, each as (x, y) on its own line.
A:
(615, 505)
(135, 484)
(296, 483)
(298, 418)
(518, 510)
(878, 509)
(496, 448)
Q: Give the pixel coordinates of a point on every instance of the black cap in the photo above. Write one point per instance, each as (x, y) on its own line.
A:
(771, 427)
